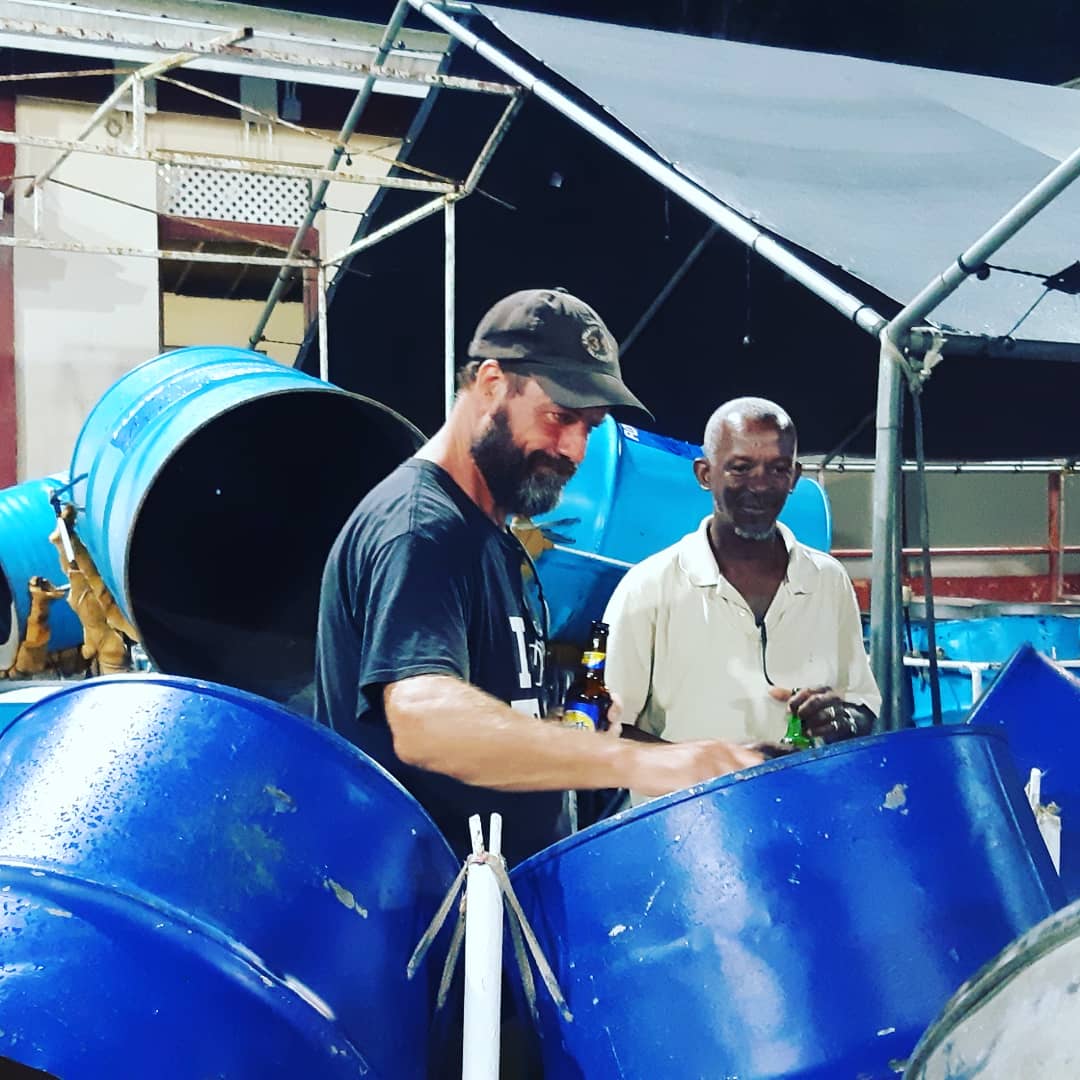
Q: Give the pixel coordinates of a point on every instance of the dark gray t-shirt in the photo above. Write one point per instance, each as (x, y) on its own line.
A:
(418, 582)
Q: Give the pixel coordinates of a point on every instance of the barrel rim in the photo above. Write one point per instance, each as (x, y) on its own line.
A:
(789, 761)
(310, 385)
(229, 695)
(995, 976)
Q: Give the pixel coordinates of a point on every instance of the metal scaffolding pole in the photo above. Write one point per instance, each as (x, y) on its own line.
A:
(744, 230)
(158, 67)
(254, 166)
(324, 343)
(449, 301)
(885, 607)
(393, 29)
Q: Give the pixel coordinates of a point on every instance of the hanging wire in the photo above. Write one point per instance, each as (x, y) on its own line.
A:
(1038, 300)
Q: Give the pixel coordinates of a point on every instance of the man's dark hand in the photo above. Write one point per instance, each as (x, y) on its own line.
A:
(824, 714)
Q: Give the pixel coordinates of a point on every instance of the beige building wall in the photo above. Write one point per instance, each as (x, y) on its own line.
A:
(83, 320)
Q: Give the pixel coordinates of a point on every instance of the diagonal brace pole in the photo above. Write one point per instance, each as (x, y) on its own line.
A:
(149, 71)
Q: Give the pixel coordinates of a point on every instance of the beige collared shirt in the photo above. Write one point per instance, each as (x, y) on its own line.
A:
(686, 654)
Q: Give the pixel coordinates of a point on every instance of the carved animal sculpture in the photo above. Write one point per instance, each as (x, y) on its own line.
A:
(105, 630)
(33, 655)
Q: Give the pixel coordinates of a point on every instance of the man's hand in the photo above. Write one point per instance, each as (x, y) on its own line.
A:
(670, 767)
(823, 713)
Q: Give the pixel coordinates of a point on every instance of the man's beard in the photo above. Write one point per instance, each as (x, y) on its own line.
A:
(764, 530)
(755, 534)
(519, 483)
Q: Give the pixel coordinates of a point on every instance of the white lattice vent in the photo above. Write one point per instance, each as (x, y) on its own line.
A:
(225, 195)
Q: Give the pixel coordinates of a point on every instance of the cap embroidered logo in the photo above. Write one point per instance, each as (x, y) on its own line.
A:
(594, 341)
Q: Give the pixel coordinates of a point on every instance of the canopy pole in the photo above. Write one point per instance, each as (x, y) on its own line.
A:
(885, 594)
(886, 632)
(770, 249)
(667, 290)
(449, 303)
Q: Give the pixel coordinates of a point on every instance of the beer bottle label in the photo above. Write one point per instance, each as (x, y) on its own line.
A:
(593, 661)
(582, 714)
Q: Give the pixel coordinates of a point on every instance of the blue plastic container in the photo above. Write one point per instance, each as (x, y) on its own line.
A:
(196, 882)
(214, 482)
(634, 494)
(1017, 1018)
(26, 520)
(804, 919)
(1038, 706)
(991, 635)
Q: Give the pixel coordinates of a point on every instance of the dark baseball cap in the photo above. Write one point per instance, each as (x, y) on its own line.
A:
(562, 343)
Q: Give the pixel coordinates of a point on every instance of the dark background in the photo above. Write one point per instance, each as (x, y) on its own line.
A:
(558, 208)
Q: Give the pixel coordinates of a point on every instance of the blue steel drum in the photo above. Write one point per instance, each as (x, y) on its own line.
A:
(214, 482)
(1017, 1018)
(804, 919)
(26, 520)
(990, 636)
(634, 494)
(196, 882)
(1037, 704)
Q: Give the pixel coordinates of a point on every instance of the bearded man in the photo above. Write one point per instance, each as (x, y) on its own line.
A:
(427, 655)
(737, 624)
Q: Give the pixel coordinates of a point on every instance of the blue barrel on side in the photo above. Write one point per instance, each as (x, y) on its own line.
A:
(196, 882)
(634, 494)
(989, 635)
(26, 520)
(214, 482)
(1018, 1017)
(1037, 704)
(805, 919)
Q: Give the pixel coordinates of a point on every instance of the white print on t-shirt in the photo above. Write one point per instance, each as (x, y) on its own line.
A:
(528, 706)
(517, 627)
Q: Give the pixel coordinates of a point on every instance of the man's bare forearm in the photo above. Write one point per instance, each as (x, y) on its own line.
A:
(445, 725)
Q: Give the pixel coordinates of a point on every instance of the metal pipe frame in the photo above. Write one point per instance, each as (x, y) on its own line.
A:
(680, 272)
(744, 230)
(967, 346)
(154, 253)
(449, 302)
(21, 33)
(1002, 551)
(955, 468)
(213, 161)
(158, 67)
(885, 610)
(397, 225)
(393, 28)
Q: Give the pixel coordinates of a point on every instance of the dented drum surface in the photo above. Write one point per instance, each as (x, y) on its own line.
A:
(804, 919)
(1017, 1018)
(196, 882)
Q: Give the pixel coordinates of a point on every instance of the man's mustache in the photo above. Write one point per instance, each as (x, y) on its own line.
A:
(558, 464)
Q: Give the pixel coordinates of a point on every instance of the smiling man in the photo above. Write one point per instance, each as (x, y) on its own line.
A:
(719, 635)
(428, 656)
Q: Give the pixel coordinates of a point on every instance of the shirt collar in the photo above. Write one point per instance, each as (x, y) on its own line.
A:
(698, 562)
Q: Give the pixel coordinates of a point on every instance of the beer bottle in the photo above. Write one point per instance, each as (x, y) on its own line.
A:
(795, 737)
(588, 699)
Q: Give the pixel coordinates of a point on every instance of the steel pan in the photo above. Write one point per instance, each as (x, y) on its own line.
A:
(803, 919)
(1037, 705)
(195, 882)
(1017, 1018)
